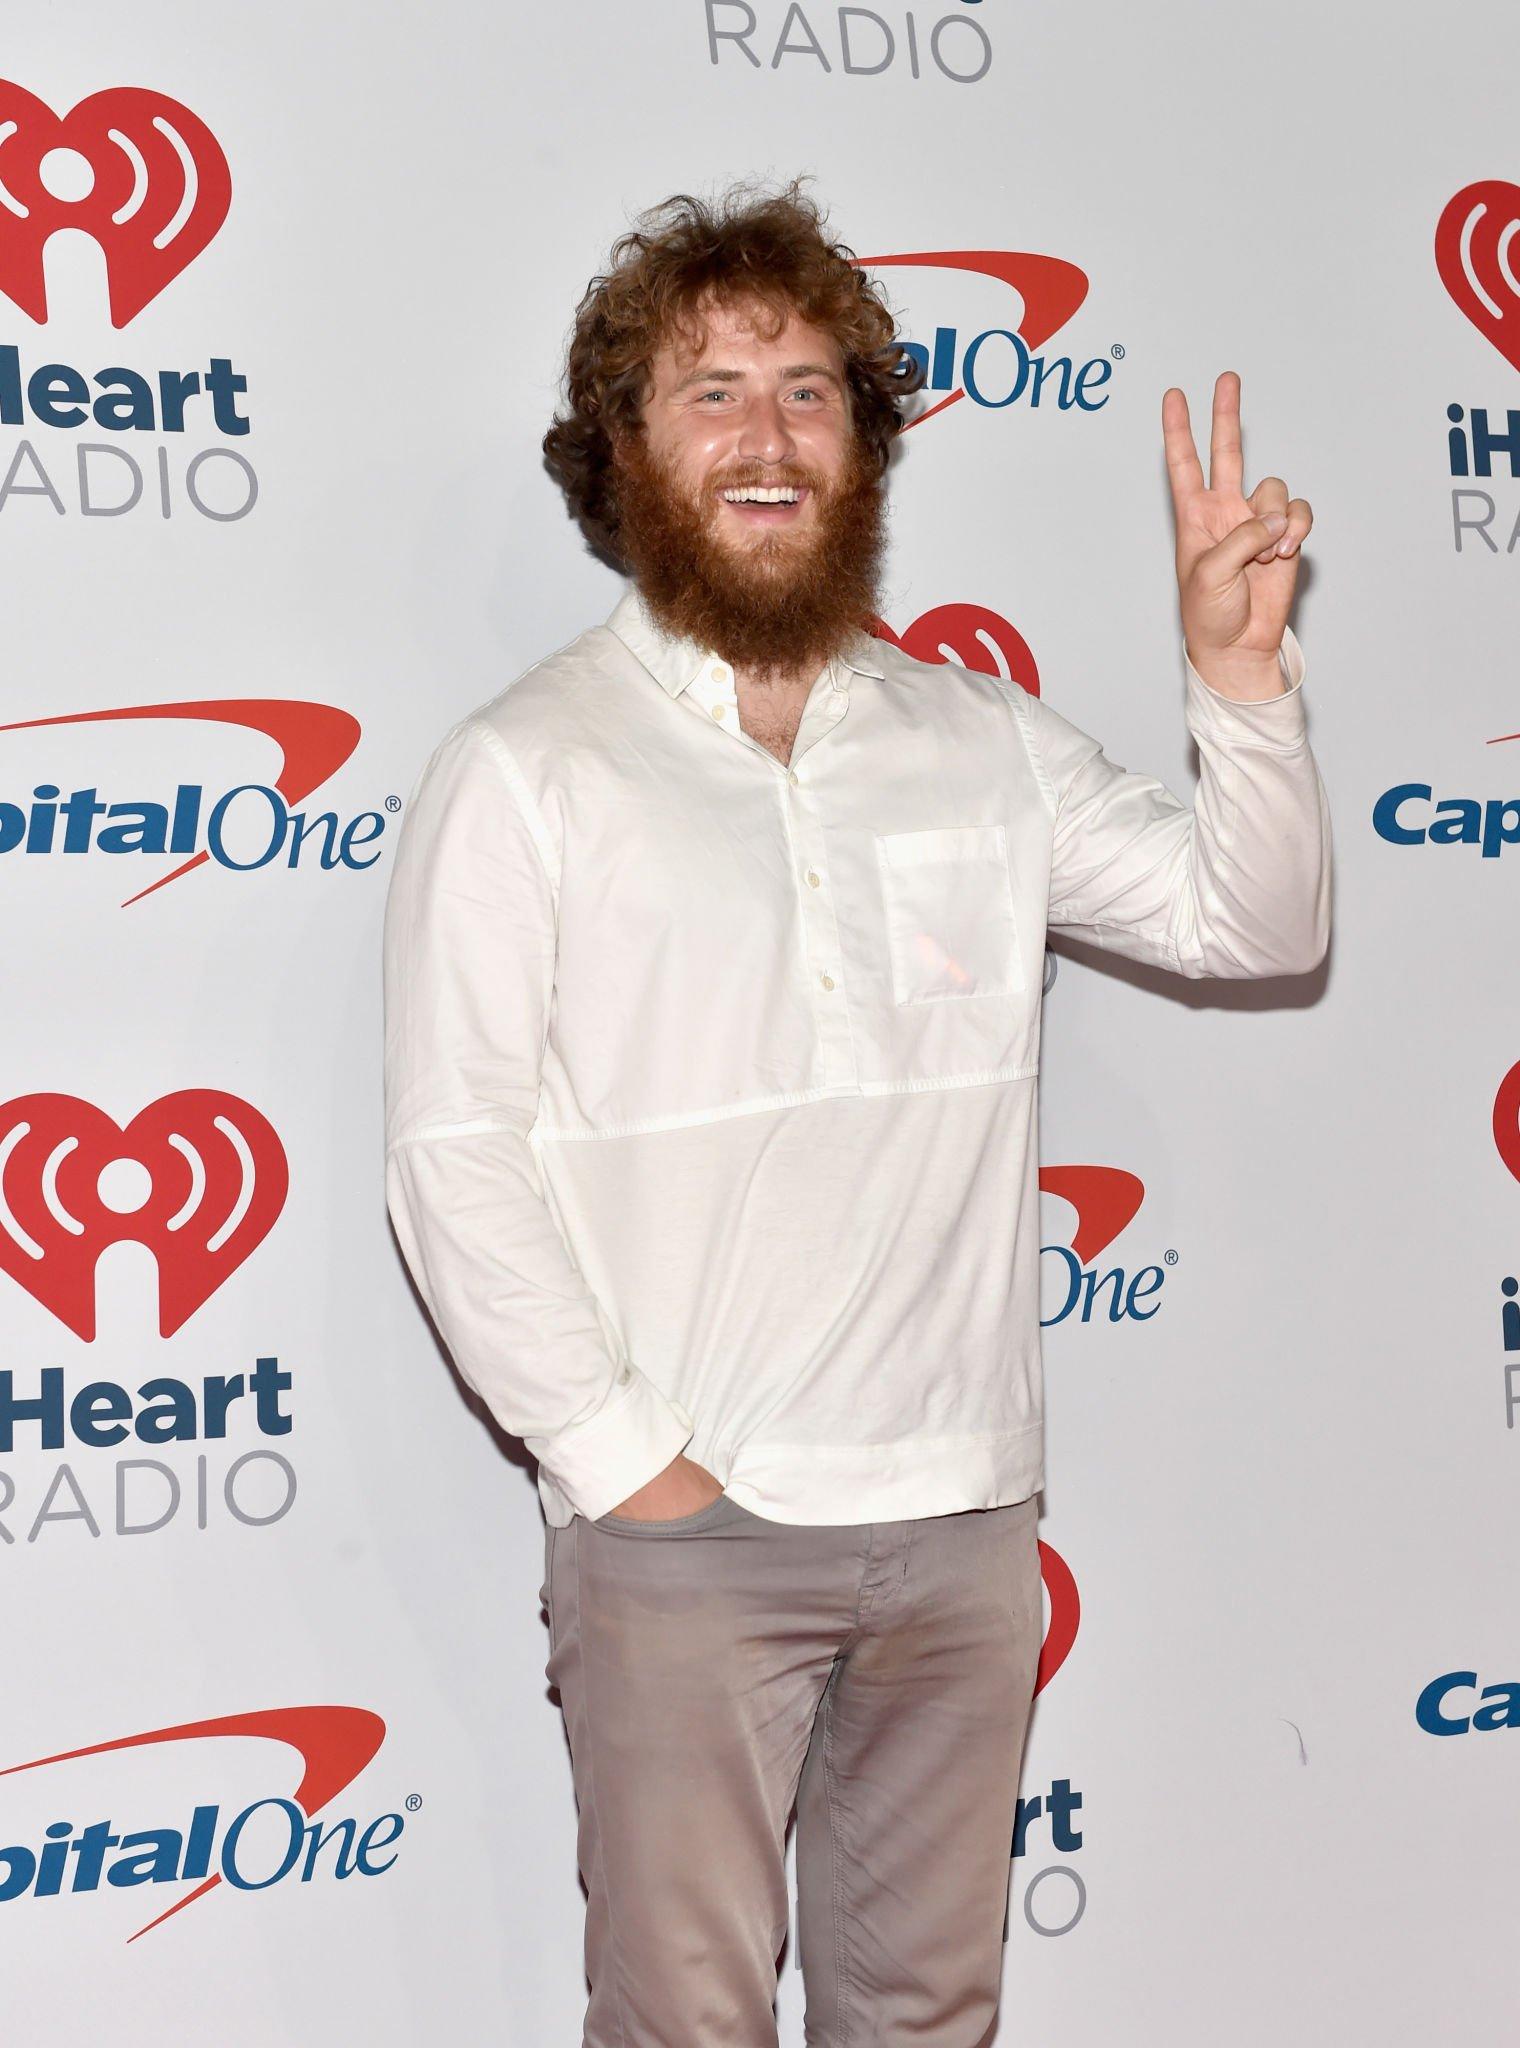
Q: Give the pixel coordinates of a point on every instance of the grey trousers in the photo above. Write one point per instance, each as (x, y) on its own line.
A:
(714, 1669)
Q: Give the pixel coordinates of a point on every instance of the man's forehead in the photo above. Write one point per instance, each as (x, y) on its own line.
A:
(739, 331)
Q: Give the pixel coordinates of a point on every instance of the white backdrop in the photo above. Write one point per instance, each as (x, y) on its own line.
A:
(1284, 1494)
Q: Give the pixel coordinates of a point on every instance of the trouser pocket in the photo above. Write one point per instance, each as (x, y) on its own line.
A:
(720, 1510)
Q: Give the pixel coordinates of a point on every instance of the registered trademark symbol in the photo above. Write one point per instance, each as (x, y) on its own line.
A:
(393, 803)
(1117, 351)
(413, 1801)
(1170, 1257)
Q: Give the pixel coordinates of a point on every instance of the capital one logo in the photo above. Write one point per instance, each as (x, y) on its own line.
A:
(252, 825)
(132, 168)
(198, 1177)
(1446, 1707)
(1410, 814)
(999, 365)
(1106, 1200)
(271, 1840)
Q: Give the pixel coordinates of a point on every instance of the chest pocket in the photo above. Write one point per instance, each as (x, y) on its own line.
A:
(951, 928)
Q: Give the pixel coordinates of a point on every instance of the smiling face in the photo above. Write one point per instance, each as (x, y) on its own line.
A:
(759, 424)
(751, 517)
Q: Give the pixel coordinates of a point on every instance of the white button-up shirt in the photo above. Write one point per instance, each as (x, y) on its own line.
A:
(710, 1078)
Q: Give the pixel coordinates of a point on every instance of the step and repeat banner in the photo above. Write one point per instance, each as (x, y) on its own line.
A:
(283, 296)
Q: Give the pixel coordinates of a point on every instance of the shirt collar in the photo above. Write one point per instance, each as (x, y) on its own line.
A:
(675, 663)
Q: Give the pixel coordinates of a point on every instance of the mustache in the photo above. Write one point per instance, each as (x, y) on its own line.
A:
(791, 476)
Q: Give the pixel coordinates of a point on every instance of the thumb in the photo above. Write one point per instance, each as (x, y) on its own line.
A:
(1242, 544)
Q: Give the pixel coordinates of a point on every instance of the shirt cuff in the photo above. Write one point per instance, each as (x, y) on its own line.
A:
(634, 1435)
(1279, 720)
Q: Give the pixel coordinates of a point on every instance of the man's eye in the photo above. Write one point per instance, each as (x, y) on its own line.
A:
(714, 394)
(804, 391)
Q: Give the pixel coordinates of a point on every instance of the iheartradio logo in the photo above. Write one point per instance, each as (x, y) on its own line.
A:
(133, 169)
(1064, 1615)
(1479, 262)
(199, 1177)
(973, 637)
(1507, 1120)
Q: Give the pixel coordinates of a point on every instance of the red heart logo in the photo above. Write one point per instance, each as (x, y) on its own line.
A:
(216, 1181)
(970, 635)
(159, 190)
(1065, 1614)
(1479, 262)
(1507, 1120)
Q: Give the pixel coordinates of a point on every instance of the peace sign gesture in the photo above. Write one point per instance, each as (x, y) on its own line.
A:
(1237, 557)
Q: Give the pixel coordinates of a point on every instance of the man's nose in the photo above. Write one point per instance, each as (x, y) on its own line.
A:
(766, 436)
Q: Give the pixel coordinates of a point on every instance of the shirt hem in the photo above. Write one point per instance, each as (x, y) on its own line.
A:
(836, 1484)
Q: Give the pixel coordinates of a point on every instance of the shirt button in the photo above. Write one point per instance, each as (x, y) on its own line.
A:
(791, 775)
(720, 673)
(827, 980)
(812, 878)
(717, 711)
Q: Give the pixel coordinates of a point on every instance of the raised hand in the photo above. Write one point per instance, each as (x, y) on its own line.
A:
(1237, 557)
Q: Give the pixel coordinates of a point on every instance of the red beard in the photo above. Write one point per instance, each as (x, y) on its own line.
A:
(782, 605)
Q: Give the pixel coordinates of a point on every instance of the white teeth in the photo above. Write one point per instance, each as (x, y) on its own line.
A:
(756, 494)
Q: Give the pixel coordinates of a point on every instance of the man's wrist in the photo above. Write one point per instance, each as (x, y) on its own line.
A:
(1247, 679)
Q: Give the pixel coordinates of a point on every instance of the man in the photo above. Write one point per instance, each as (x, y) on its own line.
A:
(713, 969)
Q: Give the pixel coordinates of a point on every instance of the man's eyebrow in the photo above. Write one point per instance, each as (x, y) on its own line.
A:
(710, 376)
(716, 376)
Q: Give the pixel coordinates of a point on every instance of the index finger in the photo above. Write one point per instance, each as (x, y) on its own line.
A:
(1182, 464)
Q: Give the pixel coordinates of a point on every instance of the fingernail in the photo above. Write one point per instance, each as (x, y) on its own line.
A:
(1286, 547)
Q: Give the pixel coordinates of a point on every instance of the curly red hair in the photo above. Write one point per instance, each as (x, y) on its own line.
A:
(685, 255)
